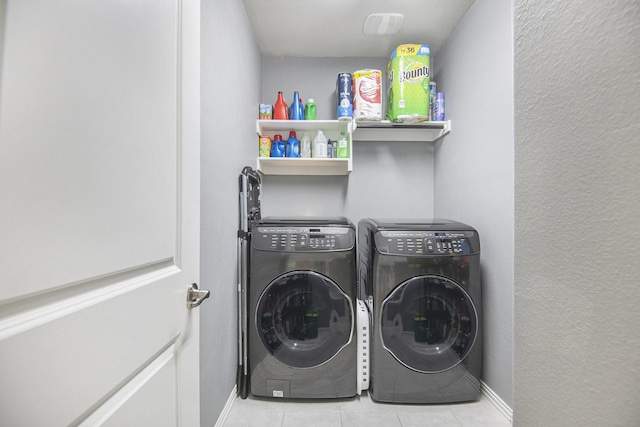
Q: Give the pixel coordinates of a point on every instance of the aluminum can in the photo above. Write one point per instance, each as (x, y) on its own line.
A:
(344, 95)
(432, 100)
(439, 107)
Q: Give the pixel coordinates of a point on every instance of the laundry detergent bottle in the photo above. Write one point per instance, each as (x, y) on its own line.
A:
(293, 145)
(296, 111)
(310, 110)
(280, 108)
(277, 146)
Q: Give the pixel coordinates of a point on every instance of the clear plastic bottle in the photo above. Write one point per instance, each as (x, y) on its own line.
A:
(305, 145)
(320, 146)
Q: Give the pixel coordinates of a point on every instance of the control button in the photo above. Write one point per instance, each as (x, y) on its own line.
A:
(428, 243)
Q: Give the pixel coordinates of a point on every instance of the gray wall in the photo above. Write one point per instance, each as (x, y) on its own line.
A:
(577, 192)
(575, 174)
(230, 96)
(474, 166)
(388, 179)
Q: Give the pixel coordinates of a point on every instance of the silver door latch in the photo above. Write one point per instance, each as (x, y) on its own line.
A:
(195, 296)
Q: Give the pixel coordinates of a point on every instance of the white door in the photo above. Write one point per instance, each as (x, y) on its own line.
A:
(99, 212)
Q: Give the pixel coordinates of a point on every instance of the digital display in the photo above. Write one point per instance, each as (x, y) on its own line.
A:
(443, 237)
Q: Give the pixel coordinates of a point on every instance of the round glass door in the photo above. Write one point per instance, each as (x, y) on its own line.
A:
(429, 323)
(304, 319)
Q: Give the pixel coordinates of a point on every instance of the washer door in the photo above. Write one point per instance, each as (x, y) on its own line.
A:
(429, 323)
(304, 319)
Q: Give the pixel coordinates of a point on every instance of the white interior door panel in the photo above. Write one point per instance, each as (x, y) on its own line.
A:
(99, 219)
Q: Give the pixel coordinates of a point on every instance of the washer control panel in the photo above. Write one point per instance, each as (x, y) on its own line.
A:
(401, 242)
(303, 239)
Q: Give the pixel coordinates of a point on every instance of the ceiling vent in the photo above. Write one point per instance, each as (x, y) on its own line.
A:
(383, 24)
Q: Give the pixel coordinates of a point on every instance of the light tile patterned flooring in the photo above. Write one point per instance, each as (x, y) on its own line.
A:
(359, 411)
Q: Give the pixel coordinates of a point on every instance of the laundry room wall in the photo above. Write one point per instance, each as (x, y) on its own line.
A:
(230, 84)
(577, 163)
(389, 179)
(474, 166)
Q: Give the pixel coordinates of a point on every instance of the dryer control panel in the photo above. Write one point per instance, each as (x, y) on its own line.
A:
(303, 239)
(427, 242)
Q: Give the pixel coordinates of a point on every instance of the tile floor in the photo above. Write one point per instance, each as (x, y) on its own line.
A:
(360, 411)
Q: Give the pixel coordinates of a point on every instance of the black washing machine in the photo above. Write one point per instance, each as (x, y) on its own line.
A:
(421, 279)
(302, 300)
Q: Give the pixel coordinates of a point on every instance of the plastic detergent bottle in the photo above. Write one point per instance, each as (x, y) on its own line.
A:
(343, 148)
(310, 110)
(277, 146)
(280, 108)
(293, 145)
(301, 106)
(296, 112)
(320, 145)
(305, 145)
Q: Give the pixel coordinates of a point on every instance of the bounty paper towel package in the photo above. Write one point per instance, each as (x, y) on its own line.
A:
(408, 73)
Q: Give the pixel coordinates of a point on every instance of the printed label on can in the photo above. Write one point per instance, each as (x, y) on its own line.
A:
(439, 108)
(344, 94)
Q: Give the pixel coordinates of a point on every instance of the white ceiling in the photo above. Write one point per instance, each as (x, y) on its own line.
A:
(334, 28)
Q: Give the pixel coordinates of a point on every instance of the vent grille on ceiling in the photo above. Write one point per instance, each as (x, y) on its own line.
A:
(382, 24)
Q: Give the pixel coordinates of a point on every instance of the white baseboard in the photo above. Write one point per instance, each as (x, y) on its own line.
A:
(227, 408)
(497, 402)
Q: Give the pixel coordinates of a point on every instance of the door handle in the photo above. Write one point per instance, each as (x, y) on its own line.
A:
(195, 296)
